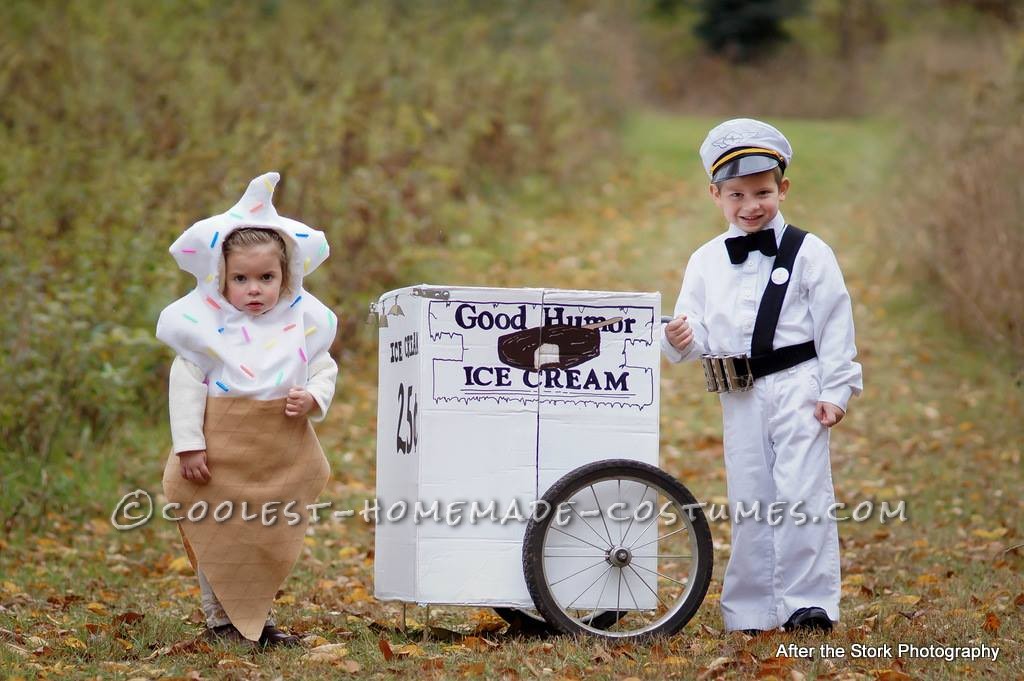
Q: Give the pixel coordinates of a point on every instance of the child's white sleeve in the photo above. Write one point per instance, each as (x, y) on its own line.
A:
(186, 400)
(832, 316)
(690, 303)
(323, 375)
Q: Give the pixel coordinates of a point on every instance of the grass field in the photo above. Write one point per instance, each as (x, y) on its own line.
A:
(939, 427)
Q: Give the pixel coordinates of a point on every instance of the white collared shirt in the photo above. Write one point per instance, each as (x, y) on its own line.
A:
(720, 301)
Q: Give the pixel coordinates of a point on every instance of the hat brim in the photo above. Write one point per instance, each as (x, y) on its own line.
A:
(744, 165)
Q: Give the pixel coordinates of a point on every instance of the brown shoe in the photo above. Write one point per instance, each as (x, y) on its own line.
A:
(227, 633)
(272, 636)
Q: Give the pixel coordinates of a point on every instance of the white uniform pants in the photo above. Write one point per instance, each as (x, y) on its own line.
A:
(776, 451)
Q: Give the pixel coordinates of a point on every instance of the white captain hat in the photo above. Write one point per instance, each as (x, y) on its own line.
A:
(744, 146)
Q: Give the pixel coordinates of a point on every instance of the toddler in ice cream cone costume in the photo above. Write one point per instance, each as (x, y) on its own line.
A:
(252, 362)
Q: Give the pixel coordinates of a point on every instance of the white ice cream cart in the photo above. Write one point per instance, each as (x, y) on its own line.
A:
(517, 453)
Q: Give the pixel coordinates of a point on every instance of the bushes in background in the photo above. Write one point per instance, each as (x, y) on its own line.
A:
(395, 125)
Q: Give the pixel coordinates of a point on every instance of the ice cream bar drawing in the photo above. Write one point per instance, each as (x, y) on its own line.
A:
(560, 346)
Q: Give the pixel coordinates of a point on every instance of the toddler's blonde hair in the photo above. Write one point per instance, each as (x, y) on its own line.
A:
(247, 237)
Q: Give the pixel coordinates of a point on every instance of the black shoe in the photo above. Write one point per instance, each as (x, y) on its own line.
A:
(808, 619)
(226, 633)
(272, 636)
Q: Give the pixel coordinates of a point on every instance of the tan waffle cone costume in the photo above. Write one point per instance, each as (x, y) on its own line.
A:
(259, 456)
(255, 453)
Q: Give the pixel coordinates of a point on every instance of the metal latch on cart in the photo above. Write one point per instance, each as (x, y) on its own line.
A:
(433, 293)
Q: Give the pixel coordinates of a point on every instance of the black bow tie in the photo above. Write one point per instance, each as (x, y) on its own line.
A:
(740, 246)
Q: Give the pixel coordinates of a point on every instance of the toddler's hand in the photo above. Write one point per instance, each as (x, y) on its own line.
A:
(679, 333)
(828, 414)
(193, 466)
(299, 402)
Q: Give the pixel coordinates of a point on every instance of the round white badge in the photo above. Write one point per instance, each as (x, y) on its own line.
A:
(780, 275)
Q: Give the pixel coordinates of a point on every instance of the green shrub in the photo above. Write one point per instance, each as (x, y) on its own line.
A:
(397, 127)
(958, 210)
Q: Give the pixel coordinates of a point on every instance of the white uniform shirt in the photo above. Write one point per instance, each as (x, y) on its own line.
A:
(720, 301)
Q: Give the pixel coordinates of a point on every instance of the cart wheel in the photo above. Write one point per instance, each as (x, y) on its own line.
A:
(624, 538)
(531, 623)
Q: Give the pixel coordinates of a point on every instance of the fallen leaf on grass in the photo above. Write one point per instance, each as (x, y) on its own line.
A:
(717, 666)
(474, 669)
(890, 675)
(72, 642)
(775, 666)
(385, 649)
(432, 663)
(478, 644)
(992, 623)
(115, 667)
(17, 650)
(489, 627)
(445, 635)
(326, 653)
(63, 601)
(128, 618)
(913, 615)
(196, 645)
(709, 631)
(408, 650)
(236, 663)
(35, 642)
(314, 641)
(991, 534)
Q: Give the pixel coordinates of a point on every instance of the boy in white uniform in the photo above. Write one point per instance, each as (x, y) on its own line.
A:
(765, 308)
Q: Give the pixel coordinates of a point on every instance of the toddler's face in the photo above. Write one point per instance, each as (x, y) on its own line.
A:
(751, 201)
(253, 278)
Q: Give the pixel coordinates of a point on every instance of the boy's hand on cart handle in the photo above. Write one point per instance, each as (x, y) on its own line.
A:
(193, 466)
(828, 414)
(299, 402)
(679, 333)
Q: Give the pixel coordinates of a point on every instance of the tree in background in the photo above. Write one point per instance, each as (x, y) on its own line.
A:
(741, 30)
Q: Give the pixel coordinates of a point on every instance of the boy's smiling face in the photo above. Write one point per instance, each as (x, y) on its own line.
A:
(751, 201)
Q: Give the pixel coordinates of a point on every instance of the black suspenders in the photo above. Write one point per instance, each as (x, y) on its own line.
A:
(764, 358)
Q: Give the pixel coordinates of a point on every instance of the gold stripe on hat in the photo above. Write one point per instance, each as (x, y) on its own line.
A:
(747, 151)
